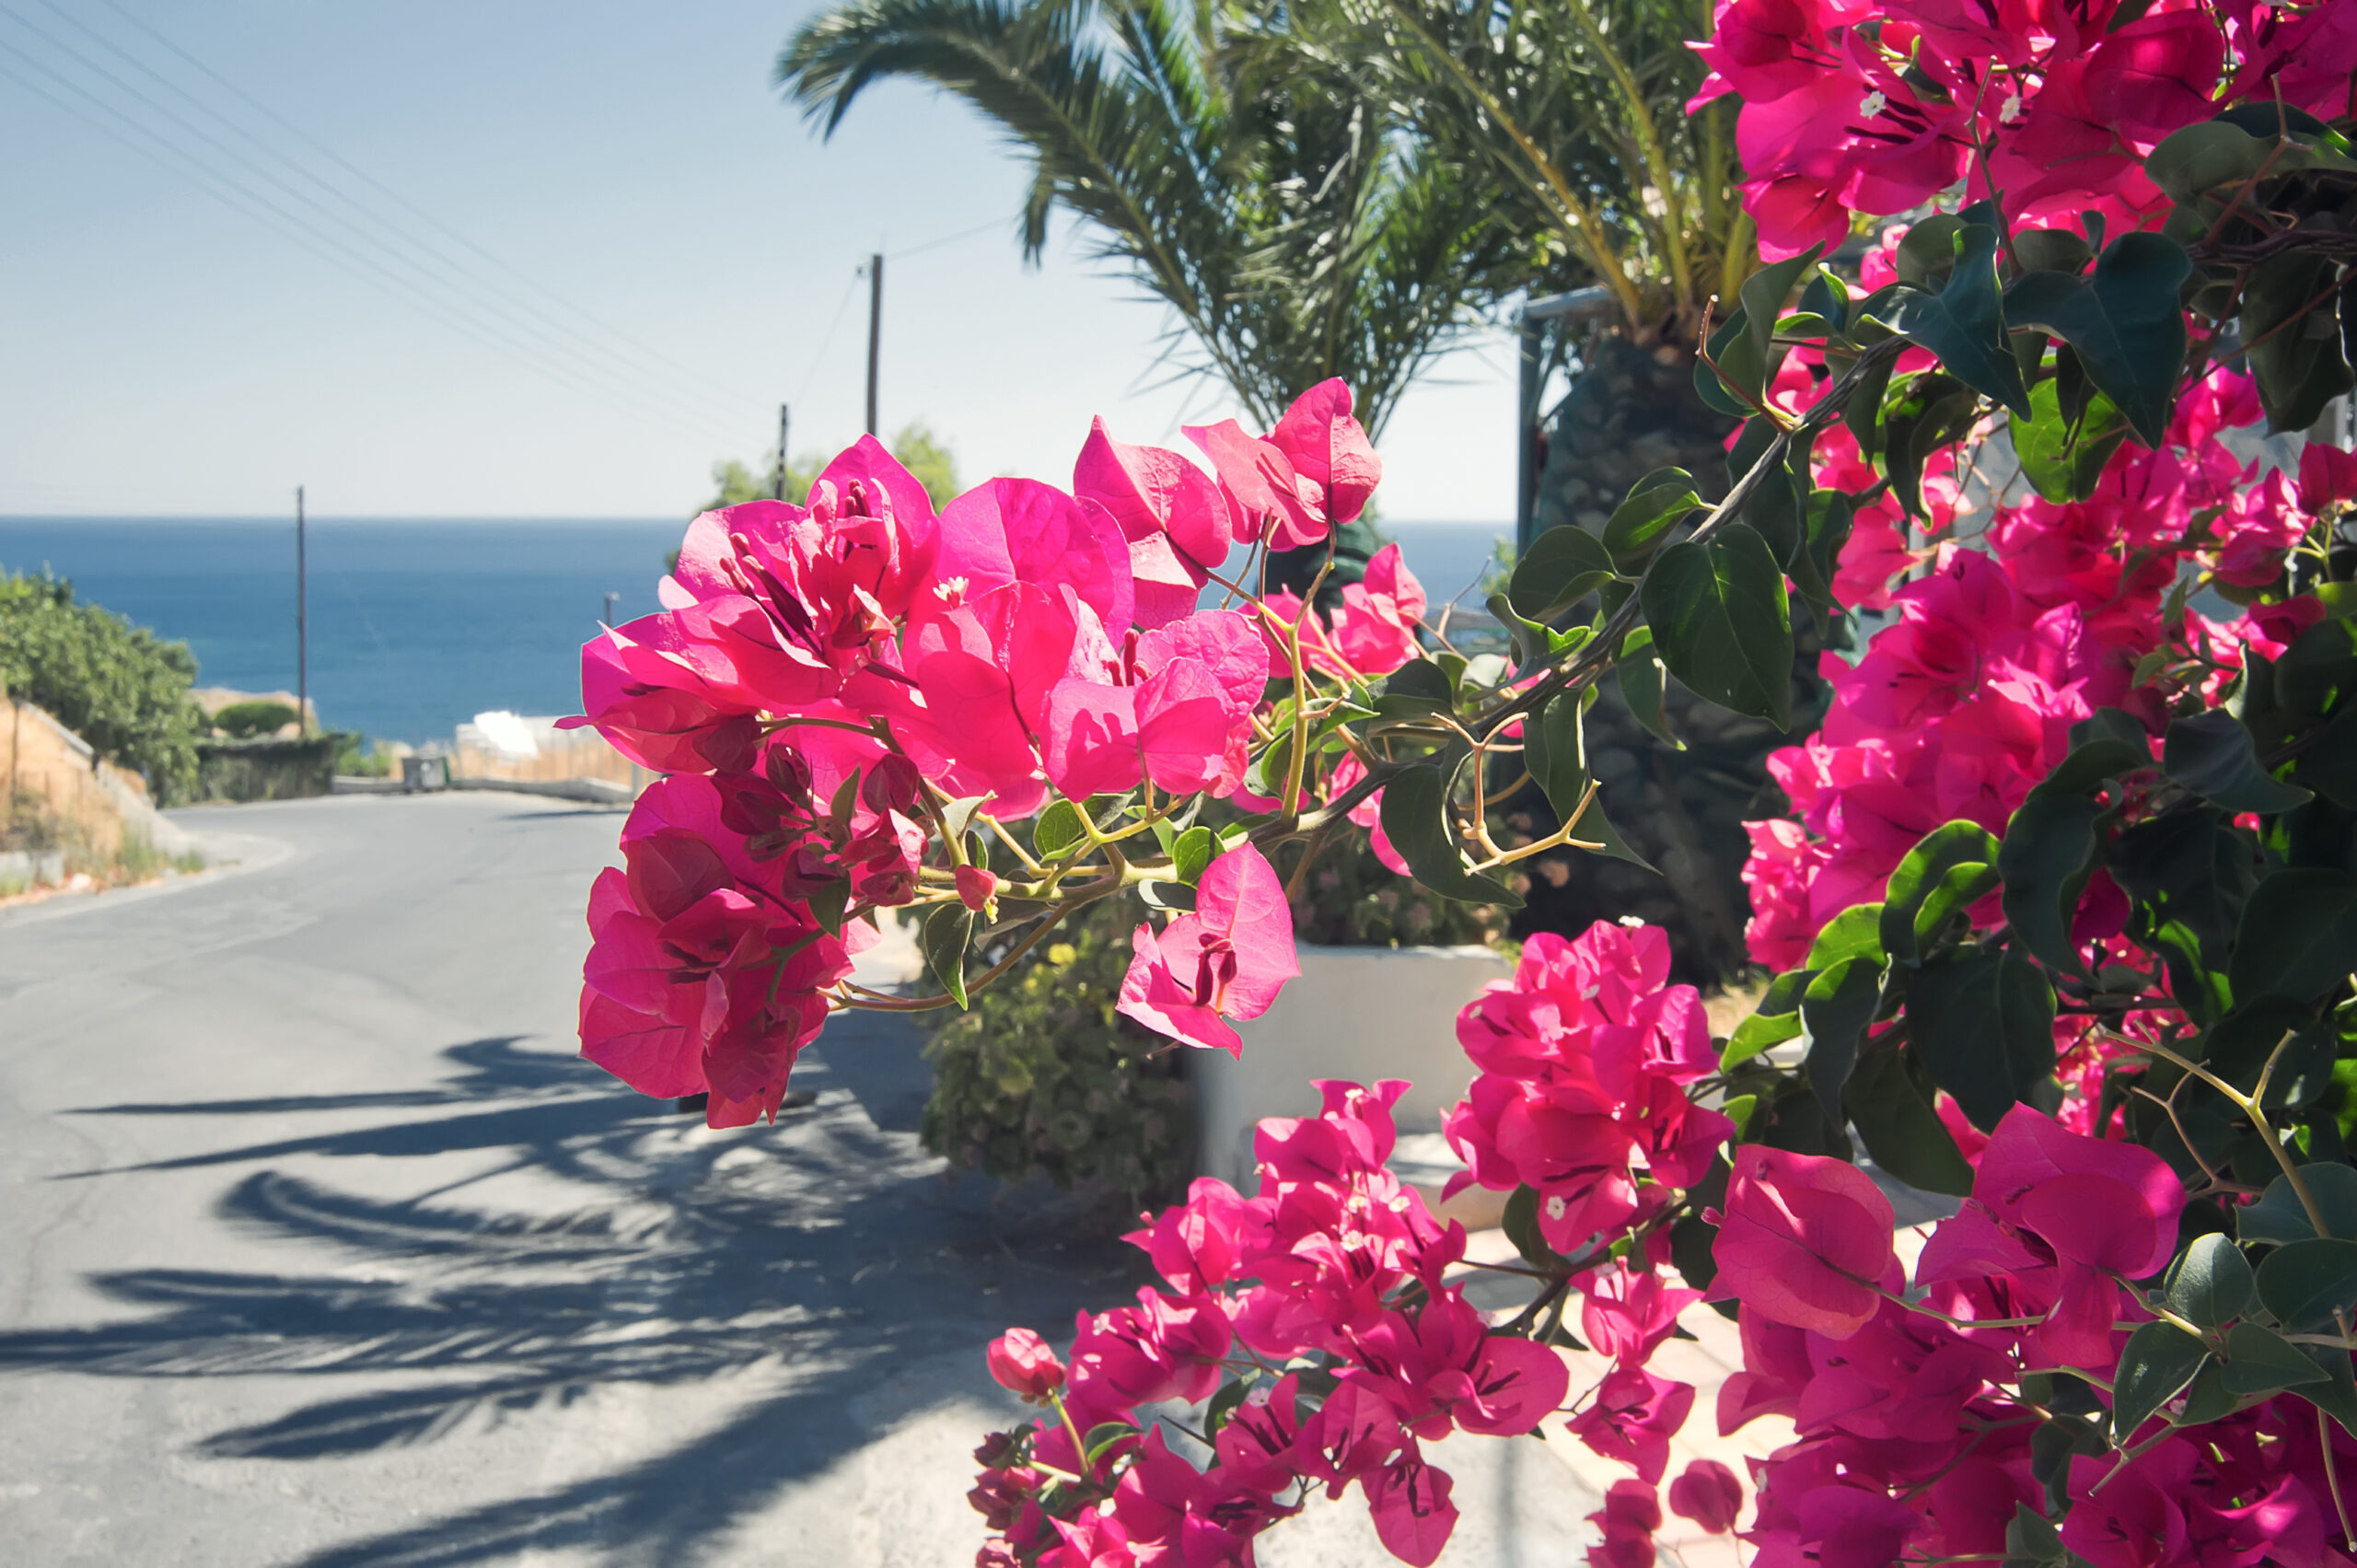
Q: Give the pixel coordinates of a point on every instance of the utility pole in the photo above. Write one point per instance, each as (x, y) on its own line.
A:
(610, 607)
(875, 330)
(302, 623)
(785, 423)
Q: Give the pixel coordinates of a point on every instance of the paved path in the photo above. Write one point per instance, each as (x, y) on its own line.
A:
(322, 1248)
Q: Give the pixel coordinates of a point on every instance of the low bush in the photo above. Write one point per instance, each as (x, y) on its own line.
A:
(245, 721)
(1041, 1078)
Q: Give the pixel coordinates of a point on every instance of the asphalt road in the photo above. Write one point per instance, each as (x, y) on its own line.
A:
(319, 1246)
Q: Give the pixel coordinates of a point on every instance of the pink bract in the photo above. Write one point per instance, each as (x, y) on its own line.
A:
(1227, 958)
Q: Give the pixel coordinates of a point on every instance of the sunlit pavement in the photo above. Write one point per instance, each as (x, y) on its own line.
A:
(323, 1247)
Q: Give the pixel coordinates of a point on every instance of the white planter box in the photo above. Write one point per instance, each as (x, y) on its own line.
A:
(1359, 1014)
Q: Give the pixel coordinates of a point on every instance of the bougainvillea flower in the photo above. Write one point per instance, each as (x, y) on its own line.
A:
(1266, 498)
(1225, 959)
(1628, 1313)
(1195, 1245)
(1707, 1492)
(1160, 1349)
(1632, 1417)
(1441, 1367)
(1012, 531)
(1354, 1433)
(1173, 730)
(1330, 451)
(1409, 1500)
(1024, 1364)
(1169, 510)
(656, 707)
(1374, 628)
(1805, 1239)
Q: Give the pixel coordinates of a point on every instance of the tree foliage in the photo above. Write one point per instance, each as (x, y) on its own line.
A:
(117, 686)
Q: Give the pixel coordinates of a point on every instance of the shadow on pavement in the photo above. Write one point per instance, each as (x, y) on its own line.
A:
(817, 1253)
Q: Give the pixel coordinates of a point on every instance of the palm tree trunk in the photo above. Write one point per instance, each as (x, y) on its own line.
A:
(1632, 409)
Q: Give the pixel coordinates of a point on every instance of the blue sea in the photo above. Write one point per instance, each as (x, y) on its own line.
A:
(416, 625)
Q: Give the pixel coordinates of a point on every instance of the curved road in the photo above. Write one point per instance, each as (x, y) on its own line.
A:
(321, 1247)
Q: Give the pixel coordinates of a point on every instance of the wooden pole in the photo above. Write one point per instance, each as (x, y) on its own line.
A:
(302, 622)
(875, 330)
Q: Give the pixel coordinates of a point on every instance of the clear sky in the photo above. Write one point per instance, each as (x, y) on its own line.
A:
(161, 353)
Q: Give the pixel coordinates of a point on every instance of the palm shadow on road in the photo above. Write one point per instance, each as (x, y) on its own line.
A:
(805, 1264)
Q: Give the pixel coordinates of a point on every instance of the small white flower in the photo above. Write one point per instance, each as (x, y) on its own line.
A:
(950, 591)
(1556, 1208)
(1873, 104)
(2011, 110)
(1633, 921)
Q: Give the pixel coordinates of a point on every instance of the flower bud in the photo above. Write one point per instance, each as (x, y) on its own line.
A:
(1023, 1363)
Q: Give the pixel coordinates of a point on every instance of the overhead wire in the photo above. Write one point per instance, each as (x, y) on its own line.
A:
(421, 214)
(326, 246)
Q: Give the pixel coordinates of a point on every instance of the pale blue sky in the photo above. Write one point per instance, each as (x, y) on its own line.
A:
(161, 353)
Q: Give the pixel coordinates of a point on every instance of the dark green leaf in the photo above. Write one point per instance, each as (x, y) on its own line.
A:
(1416, 688)
(2306, 1283)
(2159, 1361)
(2337, 1399)
(1863, 413)
(1919, 900)
(2202, 157)
(1721, 624)
(2207, 1398)
(2103, 745)
(1554, 750)
(1831, 517)
(1659, 501)
(1562, 568)
(1642, 679)
(1415, 820)
(1784, 993)
(2259, 1360)
(1964, 323)
(2031, 1539)
(1982, 1023)
(2125, 323)
(2279, 1216)
(1894, 1115)
(1934, 411)
(2298, 370)
(2209, 1285)
(2050, 251)
(1835, 1011)
(947, 931)
(1059, 831)
(2048, 855)
(2212, 755)
(2329, 765)
(2298, 935)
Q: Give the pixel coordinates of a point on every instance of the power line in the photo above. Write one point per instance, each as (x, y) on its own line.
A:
(308, 238)
(643, 359)
(820, 356)
(930, 244)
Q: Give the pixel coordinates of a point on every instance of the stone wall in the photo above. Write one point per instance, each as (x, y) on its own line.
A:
(88, 805)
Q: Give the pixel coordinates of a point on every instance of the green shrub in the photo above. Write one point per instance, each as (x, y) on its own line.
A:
(1351, 900)
(243, 721)
(114, 684)
(363, 758)
(1042, 1078)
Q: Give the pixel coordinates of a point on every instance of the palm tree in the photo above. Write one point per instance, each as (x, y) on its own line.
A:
(1282, 213)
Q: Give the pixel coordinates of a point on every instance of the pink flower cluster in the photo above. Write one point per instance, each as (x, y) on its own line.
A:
(1913, 1431)
(1334, 1272)
(824, 677)
(1875, 106)
(1962, 705)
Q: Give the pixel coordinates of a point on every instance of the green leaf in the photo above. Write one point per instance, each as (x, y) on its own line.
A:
(947, 931)
(1982, 1023)
(1721, 624)
(1831, 517)
(2031, 1539)
(2200, 158)
(1964, 323)
(1835, 1011)
(2103, 746)
(2207, 1398)
(2209, 1285)
(2279, 1216)
(2298, 372)
(1191, 852)
(1902, 1131)
(2126, 324)
(2048, 855)
(958, 815)
(1863, 413)
(2212, 754)
(1925, 891)
(1931, 412)
(2064, 457)
(1655, 504)
(1758, 1033)
(2306, 1284)
(1520, 1223)
(2050, 251)
(1857, 929)
(2329, 765)
(1417, 687)
(1103, 1436)
(1060, 831)
(2298, 935)
(1562, 568)
(1743, 349)
(1415, 820)
(1784, 993)
(2259, 1360)
(2160, 1359)
(1643, 680)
